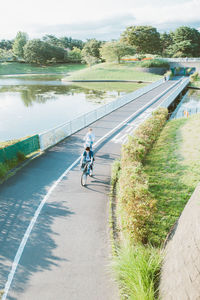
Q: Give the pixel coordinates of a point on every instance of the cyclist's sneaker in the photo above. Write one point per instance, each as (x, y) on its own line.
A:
(91, 172)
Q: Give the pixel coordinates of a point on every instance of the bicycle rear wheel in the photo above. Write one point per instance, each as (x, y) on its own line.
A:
(84, 179)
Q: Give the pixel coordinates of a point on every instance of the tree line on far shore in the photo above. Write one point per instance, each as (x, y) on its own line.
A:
(135, 40)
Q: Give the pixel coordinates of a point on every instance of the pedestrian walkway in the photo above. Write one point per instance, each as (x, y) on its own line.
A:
(67, 252)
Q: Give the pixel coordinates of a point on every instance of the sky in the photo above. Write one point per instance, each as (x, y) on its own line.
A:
(100, 19)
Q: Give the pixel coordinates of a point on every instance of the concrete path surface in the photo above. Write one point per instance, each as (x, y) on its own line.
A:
(66, 254)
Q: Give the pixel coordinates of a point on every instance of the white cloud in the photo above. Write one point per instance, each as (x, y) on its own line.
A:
(169, 12)
(94, 17)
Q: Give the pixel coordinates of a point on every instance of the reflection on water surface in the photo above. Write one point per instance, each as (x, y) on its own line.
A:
(32, 104)
(190, 104)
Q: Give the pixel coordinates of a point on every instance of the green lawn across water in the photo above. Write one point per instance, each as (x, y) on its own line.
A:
(11, 68)
(111, 71)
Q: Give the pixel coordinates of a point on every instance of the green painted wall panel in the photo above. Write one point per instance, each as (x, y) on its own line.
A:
(26, 146)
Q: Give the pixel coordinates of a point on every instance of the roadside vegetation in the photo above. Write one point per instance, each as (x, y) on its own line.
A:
(153, 63)
(11, 142)
(11, 164)
(8, 166)
(195, 80)
(152, 182)
(136, 263)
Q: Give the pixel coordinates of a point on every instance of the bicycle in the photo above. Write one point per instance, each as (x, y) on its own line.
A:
(87, 170)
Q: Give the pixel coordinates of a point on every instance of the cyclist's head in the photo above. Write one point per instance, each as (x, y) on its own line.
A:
(90, 129)
(87, 148)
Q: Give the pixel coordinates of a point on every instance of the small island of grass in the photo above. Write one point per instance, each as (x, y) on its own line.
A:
(112, 71)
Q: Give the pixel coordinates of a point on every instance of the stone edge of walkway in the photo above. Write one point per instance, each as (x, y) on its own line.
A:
(180, 274)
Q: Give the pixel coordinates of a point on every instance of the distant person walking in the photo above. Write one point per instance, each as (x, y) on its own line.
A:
(89, 138)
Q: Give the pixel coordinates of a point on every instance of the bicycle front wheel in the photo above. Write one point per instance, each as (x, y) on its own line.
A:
(84, 179)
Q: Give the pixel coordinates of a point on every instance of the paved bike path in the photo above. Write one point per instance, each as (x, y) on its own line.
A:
(67, 253)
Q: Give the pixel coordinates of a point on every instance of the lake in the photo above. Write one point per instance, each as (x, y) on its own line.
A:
(189, 105)
(32, 104)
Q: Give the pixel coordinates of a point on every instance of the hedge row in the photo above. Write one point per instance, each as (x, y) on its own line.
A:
(136, 206)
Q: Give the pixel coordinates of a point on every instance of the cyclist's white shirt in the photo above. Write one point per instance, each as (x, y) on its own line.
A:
(90, 137)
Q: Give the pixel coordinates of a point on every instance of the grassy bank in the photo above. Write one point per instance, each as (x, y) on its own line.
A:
(173, 169)
(111, 71)
(11, 142)
(195, 80)
(11, 164)
(168, 175)
(195, 84)
(9, 68)
(8, 167)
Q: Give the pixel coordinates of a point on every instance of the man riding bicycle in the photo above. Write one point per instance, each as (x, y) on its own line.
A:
(87, 157)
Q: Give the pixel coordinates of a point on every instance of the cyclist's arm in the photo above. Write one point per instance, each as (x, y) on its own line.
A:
(82, 159)
(92, 156)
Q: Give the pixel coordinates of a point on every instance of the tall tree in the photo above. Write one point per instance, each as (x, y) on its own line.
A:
(37, 51)
(166, 40)
(52, 40)
(19, 43)
(187, 41)
(75, 55)
(91, 52)
(112, 51)
(181, 49)
(92, 48)
(6, 44)
(70, 43)
(145, 39)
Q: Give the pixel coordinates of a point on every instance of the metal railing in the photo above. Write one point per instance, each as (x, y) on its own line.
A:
(166, 103)
(184, 59)
(55, 135)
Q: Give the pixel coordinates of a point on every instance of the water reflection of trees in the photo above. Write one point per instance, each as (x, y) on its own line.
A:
(98, 96)
(31, 94)
(192, 95)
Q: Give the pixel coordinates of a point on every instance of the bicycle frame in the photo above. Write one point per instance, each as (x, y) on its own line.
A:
(85, 174)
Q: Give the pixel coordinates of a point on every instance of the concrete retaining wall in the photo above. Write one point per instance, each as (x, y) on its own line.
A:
(155, 70)
(180, 276)
(188, 64)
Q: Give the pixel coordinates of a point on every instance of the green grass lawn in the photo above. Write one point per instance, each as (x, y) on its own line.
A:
(9, 68)
(111, 71)
(173, 167)
(11, 142)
